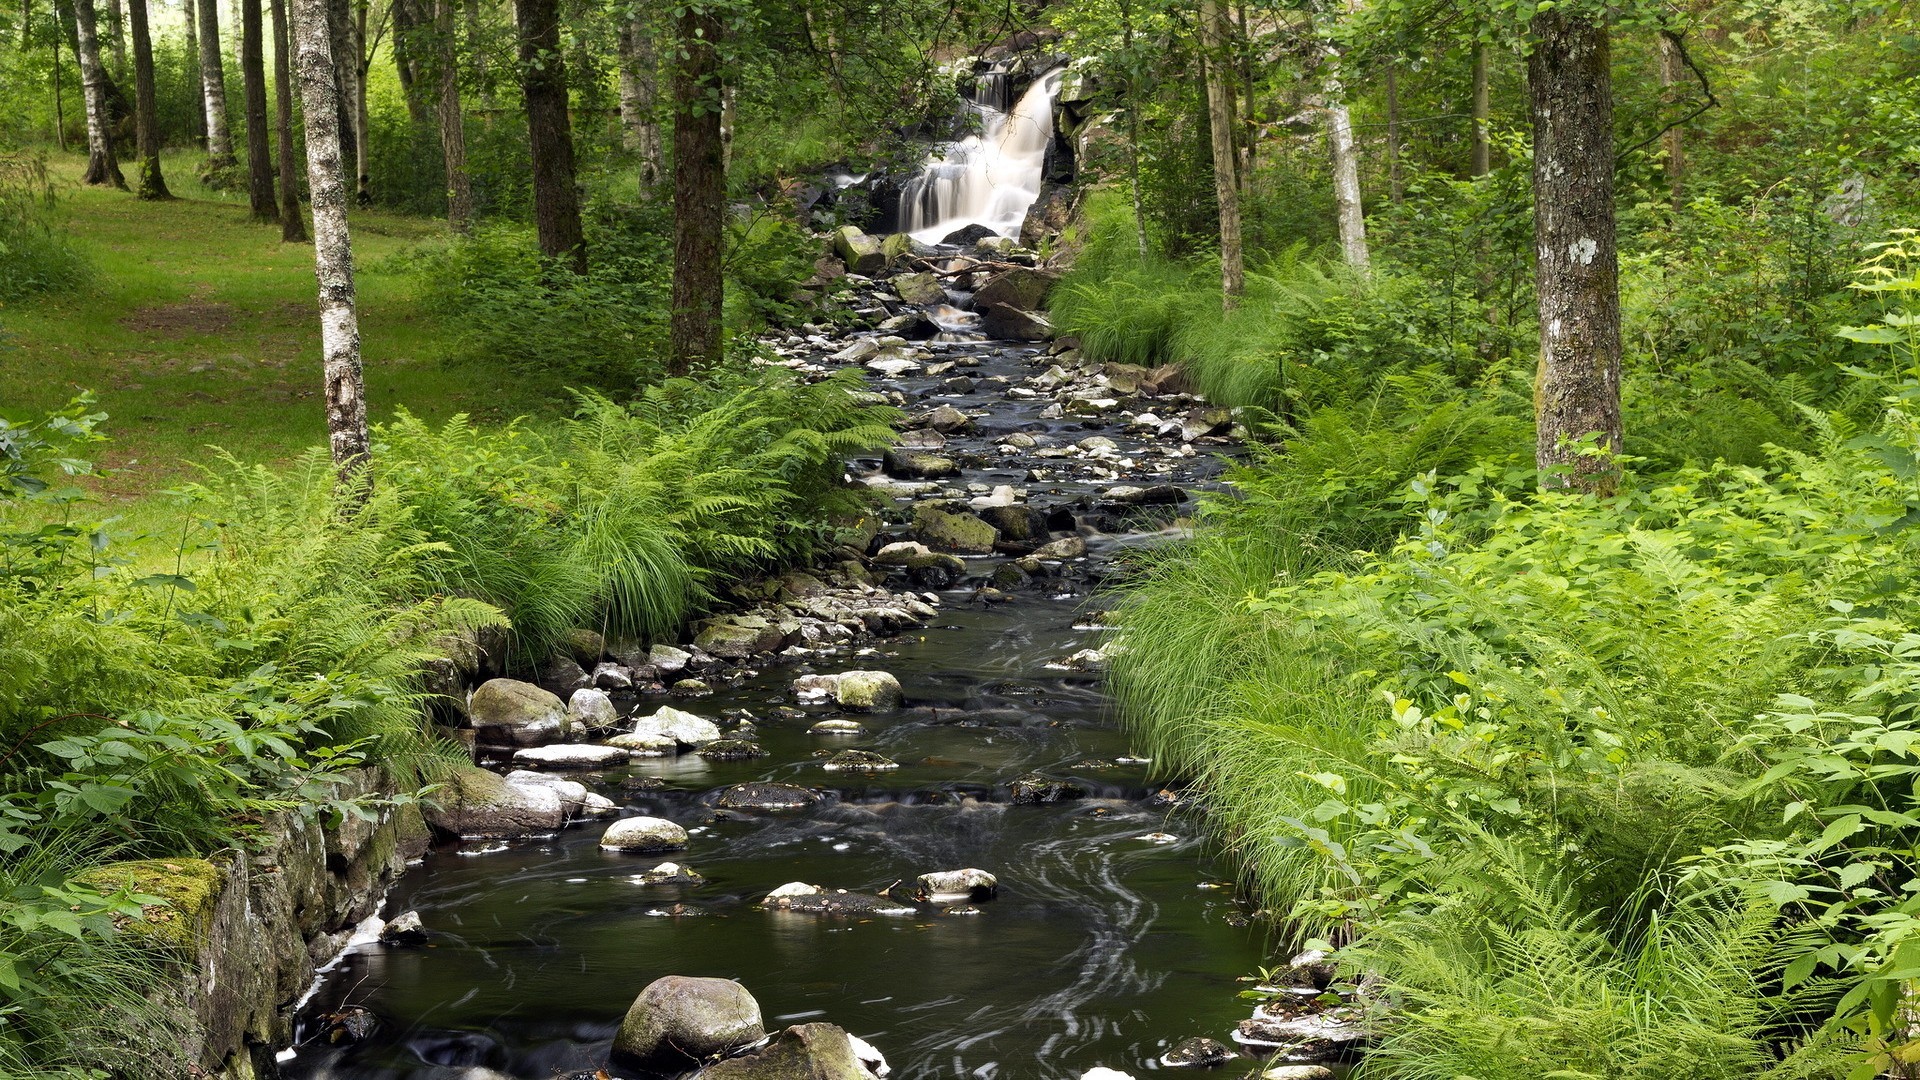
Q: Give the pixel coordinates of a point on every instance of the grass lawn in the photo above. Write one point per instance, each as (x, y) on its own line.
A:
(200, 329)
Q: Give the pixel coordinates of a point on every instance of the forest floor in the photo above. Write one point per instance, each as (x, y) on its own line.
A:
(199, 329)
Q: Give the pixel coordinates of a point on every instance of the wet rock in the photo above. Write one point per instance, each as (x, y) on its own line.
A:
(592, 710)
(351, 1024)
(859, 761)
(946, 530)
(404, 930)
(1035, 788)
(1101, 1072)
(838, 727)
(766, 795)
(1010, 576)
(736, 637)
(857, 351)
(936, 569)
(562, 675)
(1016, 523)
(1313, 1037)
(668, 873)
(919, 465)
(1126, 378)
(508, 712)
(893, 367)
(1067, 547)
(1201, 422)
(1024, 288)
(1014, 324)
(968, 884)
(678, 1022)
(644, 783)
(1166, 380)
(801, 1052)
(921, 289)
(1298, 1072)
(690, 688)
(611, 676)
(948, 420)
(798, 896)
(572, 756)
(969, 235)
(477, 804)
(649, 744)
(585, 647)
(861, 253)
(643, 834)
(922, 439)
(731, 750)
(1156, 495)
(869, 691)
(1087, 660)
(1197, 1053)
(682, 727)
(1312, 968)
(668, 660)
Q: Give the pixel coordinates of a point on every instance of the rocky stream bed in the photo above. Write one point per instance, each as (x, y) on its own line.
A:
(761, 804)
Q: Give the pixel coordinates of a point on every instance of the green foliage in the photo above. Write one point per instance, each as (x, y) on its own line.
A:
(34, 255)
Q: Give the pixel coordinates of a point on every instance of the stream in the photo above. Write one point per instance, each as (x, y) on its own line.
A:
(1106, 943)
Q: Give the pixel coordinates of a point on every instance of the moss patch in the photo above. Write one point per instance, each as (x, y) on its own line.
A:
(189, 886)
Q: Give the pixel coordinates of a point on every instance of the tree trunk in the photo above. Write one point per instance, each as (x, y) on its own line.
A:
(476, 47)
(59, 107)
(340, 41)
(699, 194)
(1346, 163)
(1671, 75)
(1220, 124)
(640, 96)
(253, 80)
(1396, 185)
(416, 56)
(453, 130)
(1243, 123)
(293, 227)
(1482, 113)
(1133, 133)
(146, 110)
(196, 121)
(117, 39)
(362, 124)
(556, 205)
(1577, 393)
(103, 167)
(213, 89)
(332, 249)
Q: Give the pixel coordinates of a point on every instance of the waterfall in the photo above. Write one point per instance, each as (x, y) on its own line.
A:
(988, 179)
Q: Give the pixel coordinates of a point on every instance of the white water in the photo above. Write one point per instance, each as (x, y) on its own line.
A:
(987, 179)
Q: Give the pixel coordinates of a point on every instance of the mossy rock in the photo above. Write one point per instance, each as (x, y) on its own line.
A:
(190, 887)
(944, 530)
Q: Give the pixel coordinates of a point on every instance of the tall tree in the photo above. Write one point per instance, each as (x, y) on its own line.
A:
(103, 168)
(1672, 72)
(293, 227)
(699, 192)
(1576, 268)
(543, 81)
(253, 78)
(213, 89)
(117, 38)
(196, 121)
(452, 118)
(639, 93)
(1346, 159)
(1213, 41)
(344, 382)
(346, 67)
(146, 110)
(1396, 183)
(1482, 113)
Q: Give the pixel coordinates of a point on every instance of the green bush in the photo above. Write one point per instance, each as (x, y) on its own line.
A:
(34, 256)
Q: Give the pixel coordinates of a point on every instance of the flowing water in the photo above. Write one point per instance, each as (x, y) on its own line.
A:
(991, 178)
(1103, 948)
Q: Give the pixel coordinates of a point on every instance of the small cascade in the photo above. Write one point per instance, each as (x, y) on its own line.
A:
(992, 178)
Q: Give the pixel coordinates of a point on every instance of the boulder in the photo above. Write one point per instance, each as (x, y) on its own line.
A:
(859, 761)
(798, 896)
(838, 727)
(1198, 1053)
(896, 247)
(678, 1022)
(1035, 788)
(869, 691)
(683, 728)
(766, 795)
(585, 647)
(1101, 1072)
(736, 637)
(1067, 547)
(1014, 324)
(946, 885)
(1167, 379)
(801, 1052)
(571, 756)
(668, 660)
(921, 289)
(860, 252)
(607, 675)
(731, 750)
(404, 930)
(959, 533)
(967, 235)
(948, 420)
(562, 675)
(1298, 1072)
(508, 712)
(919, 465)
(1127, 378)
(592, 710)
(647, 744)
(477, 804)
(1017, 523)
(1022, 287)
(668, 873)
(1152, 495)
(643, 834)
(1312, 1038)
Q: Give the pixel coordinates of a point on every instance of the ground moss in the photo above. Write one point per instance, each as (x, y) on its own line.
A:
(190, 887)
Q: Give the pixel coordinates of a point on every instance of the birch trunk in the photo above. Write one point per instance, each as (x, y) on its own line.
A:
(1577, 392)
(213, 89)
(1348, 209)
(1220, 122)
(146, 109)
(117, 39)
(556, 205)
(453, 123)
(332, 249)
(196, 118)
(253, 81)
(362, 122)
(699, 195)
(640, 98)
(1482, 113)
(293, 227)
(103, 168)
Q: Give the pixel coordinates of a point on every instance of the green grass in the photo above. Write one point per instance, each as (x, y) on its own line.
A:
(199, 329)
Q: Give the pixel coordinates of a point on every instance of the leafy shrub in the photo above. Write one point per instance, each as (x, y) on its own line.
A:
(34, 256)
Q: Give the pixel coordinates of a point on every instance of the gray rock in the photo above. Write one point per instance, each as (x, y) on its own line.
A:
(647, 744)
(838, 727)
(806, 899)
(508, 712)
(644, 834)
(1298, 1072)
(958, 533)
(801, 1052)
(947, 420)
(610, 676)
(678, 1022)
(592, 710)
(861, 253)
(682, 727)
(1314, 1037)
(1021, 287)
(562, 675)
(477, 804)
(668, 873)
(731, 750)
(921, 289)
(1067, 547)
(919, 465)
(869, 691)
(404, 930)
(1035, 788)
(736, 637)
(766, 795)
(572, 756)
(1197, 1053)
(859, 761)
(668, 660)
(1014, 324)
(968, 884)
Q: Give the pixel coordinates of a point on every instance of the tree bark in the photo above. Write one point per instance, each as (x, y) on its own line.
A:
(59, 108)
(640, 96)
(1133, 131)
(345, 67)
(117, 38)
(1396, 184)
(476, 47)
(293, 227)
(1346, 163)
(103, 168)
(1672, 73)
(213, 89)
(196, 120)
(1577, 393)
(362, 123)
(1226, 188)
(556, 205)
(1482, 114)
(146, 110)
(699, 194)
(416, 55)
(344, 382)
(253, 80)
(453, 130)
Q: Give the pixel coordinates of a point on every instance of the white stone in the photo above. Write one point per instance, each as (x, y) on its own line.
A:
(571, 756)
(795, 888)
(592, 709)
(643, 834)
(680, 726)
